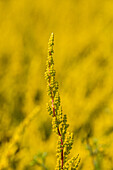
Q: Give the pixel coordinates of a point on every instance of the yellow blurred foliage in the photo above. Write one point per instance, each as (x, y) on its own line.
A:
(84, 64)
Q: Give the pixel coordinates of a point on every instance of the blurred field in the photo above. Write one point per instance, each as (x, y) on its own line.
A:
(83, 57)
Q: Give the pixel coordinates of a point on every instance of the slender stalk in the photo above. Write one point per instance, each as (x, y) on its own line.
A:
(52, 97)
(59, 120)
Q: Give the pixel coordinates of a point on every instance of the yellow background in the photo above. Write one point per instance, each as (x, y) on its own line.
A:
(83, 31)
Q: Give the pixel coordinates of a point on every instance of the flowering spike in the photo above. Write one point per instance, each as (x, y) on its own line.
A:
(59, 120)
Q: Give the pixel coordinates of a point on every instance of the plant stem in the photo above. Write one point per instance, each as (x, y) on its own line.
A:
(52, 96)
(59, 120)
(61, 154)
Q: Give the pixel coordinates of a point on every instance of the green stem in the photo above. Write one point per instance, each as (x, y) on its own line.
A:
(62, 157)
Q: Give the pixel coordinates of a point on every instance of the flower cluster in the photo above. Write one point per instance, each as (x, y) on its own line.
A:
(59, 120)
